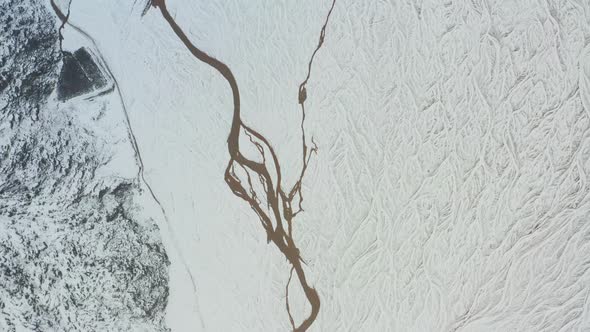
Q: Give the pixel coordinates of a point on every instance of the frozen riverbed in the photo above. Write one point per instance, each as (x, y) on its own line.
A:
(448, 190)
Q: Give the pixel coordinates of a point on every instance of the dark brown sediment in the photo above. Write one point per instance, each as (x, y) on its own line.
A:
(278, 201)
(63, 18)
(306, 155)
(277, 205)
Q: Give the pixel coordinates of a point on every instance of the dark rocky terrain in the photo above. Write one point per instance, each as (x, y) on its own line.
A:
(76, 254)
(79, 75)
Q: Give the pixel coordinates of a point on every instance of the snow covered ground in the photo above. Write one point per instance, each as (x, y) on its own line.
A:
(449, 191)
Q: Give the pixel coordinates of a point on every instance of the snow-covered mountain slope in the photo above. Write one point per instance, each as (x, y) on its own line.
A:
(76, 251)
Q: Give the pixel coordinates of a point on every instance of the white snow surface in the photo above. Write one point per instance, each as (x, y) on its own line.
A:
(450, 189)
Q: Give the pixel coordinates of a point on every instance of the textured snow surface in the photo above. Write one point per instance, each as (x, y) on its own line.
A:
(449, 191)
